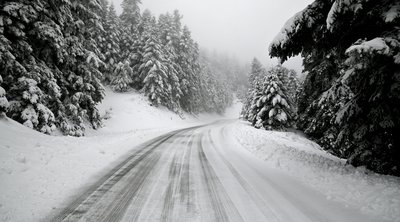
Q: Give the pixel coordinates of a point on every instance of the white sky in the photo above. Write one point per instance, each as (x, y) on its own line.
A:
(241, 28)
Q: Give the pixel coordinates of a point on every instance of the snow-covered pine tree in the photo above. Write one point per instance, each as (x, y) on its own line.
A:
(33, 114)
(146, 25)
(3, 100)
(82, 88)
(154, 70)
(282, 73)
(324, 110)
(187, 59)
(122, 77)
(27, 41)
(292, 86)
(131, 14)
(207, 90)
(250, 108)
(354, 43)
(169, 38)
(44, 56)
(289, 82)
(111, 42)
(369, 123)
(130, 20)
(255, 78)
(275, 111)
(257, 71)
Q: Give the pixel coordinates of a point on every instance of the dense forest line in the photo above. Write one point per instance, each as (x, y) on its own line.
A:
(57, 56)
(349, 99)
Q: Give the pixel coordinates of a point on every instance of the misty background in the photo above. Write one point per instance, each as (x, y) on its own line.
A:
(240, 28)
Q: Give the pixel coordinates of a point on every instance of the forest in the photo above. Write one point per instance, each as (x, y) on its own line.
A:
(56, 57)
(348, 101)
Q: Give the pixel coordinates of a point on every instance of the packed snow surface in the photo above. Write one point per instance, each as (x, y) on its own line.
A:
(373, 194)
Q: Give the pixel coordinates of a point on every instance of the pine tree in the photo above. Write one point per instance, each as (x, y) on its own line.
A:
(82, 89)
(146, 26)
(110, 44)
(3, 100)
(250, 108)
(169, 38)
(257, 71)
(130, 20)
(22, 40)
(122, 77)
(274, 109)
(51, 63)
(131, 14)
(292, 86)
(187, 59)
(154, 70)
(255, 77)
(351, 47)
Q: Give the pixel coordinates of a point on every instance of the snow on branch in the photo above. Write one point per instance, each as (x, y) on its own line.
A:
(377, 45)
(340, 7)
(393, 13)
(290, 26)
(294, 24)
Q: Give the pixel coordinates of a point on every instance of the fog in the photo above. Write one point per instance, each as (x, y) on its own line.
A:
(240, 28)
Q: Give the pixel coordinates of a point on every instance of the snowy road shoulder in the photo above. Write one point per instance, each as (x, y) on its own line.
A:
(374, 194)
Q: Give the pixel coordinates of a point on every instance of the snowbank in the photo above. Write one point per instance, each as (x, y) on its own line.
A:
(131, 110)
(373, 194)
(39, 173)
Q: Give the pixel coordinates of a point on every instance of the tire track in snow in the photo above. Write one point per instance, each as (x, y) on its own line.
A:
(137, 211)
(223, 207)
(174, 172)
(269, 214)
(178, 189)
(81, 205)
(76, 210)
(116, 209)
(185, 191)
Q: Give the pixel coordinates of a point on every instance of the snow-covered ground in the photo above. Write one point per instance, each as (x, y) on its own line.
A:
(40, 172)
(292, 154)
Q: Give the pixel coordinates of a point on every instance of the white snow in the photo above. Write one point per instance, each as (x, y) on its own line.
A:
(330, 19)
(293, 25)
(39, 173)
(2, 91)
(93, 59)
(393, 13)
(30, 116)
(289, 27)
(377, 44)
(293, 154)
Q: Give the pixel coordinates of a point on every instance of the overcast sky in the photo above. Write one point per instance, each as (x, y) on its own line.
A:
(242, 28)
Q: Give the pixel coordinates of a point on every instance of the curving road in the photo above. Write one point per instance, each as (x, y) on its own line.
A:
(200, 174)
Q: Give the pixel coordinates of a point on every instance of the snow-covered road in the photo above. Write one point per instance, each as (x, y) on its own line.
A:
(201, 174)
